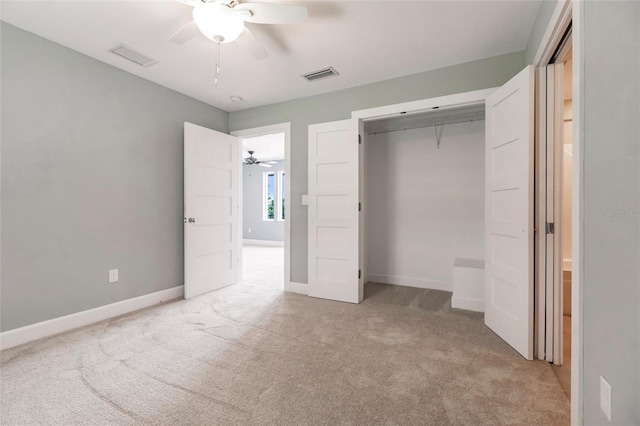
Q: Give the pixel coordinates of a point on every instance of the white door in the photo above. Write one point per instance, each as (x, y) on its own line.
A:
(335, 271)
(553, 201)
(211, 195)
(509, 212)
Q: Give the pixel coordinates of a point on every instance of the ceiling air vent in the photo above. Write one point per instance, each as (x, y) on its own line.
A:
(126, 52)
(325, 72)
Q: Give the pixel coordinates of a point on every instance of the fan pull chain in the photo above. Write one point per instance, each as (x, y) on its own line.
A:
(217, 63)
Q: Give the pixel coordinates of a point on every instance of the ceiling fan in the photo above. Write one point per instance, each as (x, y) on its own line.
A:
(251, 160)
(223, 21)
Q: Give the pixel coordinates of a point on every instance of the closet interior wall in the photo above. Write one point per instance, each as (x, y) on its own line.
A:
(424, 204)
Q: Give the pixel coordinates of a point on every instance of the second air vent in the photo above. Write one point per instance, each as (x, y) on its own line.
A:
(128, 53)
(325, 72)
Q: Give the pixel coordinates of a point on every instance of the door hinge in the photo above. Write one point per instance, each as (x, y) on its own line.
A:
(549, 228)
(359, 206)
(359, 273)
(359, 139)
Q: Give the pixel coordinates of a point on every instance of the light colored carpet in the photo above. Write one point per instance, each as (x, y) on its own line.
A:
(249, 354)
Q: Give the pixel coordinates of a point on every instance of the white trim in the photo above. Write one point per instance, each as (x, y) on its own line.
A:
(239, 231)
(18, 336)
(267, 130)
(263, 243)
(553, 35)
(456, 100)
(468, 304)
(541, 208)
(414, 107)
(299, 288)
(279, 176)
(410, 282)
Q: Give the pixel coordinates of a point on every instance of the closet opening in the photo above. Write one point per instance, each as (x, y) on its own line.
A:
(423, 204)
(435, 194)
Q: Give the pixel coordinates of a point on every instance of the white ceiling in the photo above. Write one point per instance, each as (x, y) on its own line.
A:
(267, 147)
(365, 41)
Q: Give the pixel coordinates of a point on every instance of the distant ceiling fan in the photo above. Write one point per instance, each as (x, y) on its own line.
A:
(251, 160)
(222, 21)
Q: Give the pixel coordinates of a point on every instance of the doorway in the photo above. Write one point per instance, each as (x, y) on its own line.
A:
(559, 260)
(264, 224)
(264, 183)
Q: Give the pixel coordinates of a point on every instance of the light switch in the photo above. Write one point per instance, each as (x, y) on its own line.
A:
(305, 200)
(113, 275)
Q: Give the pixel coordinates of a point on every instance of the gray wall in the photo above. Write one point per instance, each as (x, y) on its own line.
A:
(338, 105)
(610, 64)
(92, 179)
(252, 197)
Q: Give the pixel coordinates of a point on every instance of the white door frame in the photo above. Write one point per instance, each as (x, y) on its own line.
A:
(450, 101)
(475, 97)
(267, 130)
(567, 11)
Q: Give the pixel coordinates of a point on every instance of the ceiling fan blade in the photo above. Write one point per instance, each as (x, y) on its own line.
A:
(264, 165)
(248, 41)
(270, 13)
(186, 33)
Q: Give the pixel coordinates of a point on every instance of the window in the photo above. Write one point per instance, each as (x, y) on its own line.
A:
(273, 195)
(269, 203)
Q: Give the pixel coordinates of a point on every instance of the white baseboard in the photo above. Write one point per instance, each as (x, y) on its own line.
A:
(410, 282)
(468, 304)
(18, 336)
(298, 288)
(263, 243)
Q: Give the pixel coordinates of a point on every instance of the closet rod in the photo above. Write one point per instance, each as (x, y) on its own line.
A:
(421, 125)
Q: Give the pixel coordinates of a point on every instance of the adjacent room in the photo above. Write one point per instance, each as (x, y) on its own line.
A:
(319, 212)
(264, 186)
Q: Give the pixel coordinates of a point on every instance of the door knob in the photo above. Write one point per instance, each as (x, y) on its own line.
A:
(192, 220)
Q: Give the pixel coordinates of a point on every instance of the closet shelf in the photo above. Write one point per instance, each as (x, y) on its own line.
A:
(425, 119)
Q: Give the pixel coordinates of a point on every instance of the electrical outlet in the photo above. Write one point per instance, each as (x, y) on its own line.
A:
(605, 397)
(113, 275)
(249, 230)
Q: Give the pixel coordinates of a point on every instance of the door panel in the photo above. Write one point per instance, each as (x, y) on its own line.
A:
(211, 191)
(509, 212)
(555, 147)
(334, 217)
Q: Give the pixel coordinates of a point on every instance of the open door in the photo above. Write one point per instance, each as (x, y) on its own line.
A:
(509, 230)
(211, 195)
(335, 271)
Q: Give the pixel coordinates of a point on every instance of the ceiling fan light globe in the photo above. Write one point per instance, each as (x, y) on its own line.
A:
(218, 22)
